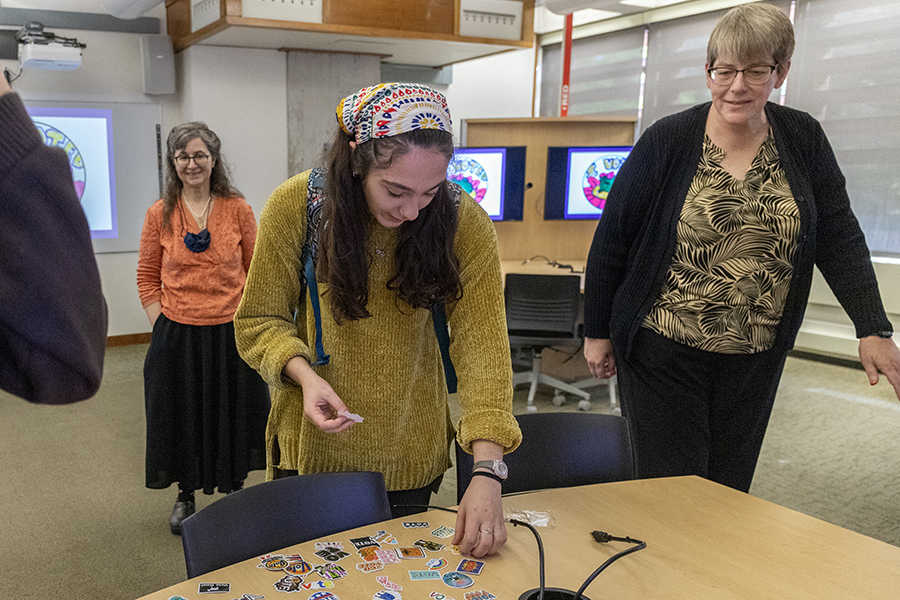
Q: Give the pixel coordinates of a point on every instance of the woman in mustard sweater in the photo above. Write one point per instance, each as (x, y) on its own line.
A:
(394, 239)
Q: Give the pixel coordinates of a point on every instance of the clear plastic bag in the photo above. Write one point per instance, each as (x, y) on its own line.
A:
(532, 517)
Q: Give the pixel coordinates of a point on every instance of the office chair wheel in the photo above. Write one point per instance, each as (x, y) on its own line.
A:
(559, 399)
(531, 408)
(584, 405)
(616, 411)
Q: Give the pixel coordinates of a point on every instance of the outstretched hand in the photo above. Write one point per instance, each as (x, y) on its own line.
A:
(879, 354)
(480, 530)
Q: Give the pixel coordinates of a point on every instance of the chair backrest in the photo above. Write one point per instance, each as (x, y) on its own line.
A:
(561, 449)
(280, 513)
(542, 305)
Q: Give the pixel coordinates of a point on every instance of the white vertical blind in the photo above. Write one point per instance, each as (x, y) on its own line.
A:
(605, 76)
(846, 73)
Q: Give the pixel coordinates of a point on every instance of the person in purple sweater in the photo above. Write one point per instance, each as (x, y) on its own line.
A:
(52, 313)
(700, 269)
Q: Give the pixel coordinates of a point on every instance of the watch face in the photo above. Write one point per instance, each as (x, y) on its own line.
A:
(500, 468)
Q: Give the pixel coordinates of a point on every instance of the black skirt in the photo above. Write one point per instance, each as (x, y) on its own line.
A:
(206, 409)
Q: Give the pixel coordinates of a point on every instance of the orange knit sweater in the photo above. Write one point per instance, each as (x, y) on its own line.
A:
(196, 288)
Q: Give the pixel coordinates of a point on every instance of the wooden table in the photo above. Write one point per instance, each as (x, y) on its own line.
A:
(704, 541)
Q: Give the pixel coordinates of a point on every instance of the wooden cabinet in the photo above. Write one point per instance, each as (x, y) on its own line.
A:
(415, 32)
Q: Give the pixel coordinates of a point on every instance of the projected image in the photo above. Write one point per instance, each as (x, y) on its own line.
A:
(590, 176)
(85, 134)
(480, 172)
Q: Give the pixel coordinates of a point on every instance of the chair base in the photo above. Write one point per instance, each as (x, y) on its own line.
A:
(612, 382)
(534, 377)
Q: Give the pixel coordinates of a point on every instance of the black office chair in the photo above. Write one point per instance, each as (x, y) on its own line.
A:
(280, 513)
(543, 311)
(561, 450)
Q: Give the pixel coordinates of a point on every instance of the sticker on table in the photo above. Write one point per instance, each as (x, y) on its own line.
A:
(331, 554)
(479, 595)
(289, 583)
(387, 556)
(301, 567)
(370, 567)
(324, 596)
(383, 537)
(455, 579)
(429, 545)
(323, 545)
(213, 588)
(388, 584)
(272, 562)
(331, 571)
(443, 532)
(386, 595)
(177, 598)
(414, 552)
(250, 597)
(472, 567)
(369, 553)
(454, 550)
(422, 575)
(436, 564)
(317, 585)
(363, 542)
(439, 596)
(414, 524)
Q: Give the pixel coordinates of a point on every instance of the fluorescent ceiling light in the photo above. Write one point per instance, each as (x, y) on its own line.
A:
(650, 3)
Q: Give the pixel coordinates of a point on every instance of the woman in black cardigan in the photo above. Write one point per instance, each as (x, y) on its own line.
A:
(700, 268)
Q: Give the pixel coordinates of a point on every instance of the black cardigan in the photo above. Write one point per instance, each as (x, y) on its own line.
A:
(635, 239)
(52, 313)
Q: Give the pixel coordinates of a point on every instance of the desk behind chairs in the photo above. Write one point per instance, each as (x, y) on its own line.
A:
(562, 449)
(280, 513)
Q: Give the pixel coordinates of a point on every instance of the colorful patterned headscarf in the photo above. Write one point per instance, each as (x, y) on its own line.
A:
(389, 109)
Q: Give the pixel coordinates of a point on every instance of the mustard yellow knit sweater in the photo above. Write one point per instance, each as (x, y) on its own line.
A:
(386, 368)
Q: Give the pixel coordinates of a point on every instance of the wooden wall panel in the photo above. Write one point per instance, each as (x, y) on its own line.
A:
(558, 240)
(425, 16)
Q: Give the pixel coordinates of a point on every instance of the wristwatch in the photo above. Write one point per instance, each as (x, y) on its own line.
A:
(497, 467)
(885, 334)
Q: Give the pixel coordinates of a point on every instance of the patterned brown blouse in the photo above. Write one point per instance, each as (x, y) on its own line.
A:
(729, 278)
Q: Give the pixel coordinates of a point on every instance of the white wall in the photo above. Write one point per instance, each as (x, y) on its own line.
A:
(495, 86)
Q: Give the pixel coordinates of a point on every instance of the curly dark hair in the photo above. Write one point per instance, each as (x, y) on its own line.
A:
(220, 179)
(427, 268)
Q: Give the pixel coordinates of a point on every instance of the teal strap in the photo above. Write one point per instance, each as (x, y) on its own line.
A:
(312, 285)
(439, 316)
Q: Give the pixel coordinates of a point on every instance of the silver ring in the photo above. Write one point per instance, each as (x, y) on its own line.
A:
(499, 529)
(486, 531)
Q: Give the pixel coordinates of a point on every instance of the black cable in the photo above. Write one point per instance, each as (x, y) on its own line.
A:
(603, 537)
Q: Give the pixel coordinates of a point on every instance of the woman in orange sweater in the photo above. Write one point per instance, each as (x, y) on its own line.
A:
(206, 409)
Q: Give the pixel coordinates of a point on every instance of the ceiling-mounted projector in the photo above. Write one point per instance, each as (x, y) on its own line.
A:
(39, 49)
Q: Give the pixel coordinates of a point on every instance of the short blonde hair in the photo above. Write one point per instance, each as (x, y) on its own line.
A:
(750, 31)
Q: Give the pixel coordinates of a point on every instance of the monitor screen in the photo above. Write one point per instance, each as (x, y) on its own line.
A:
(495, 177)
(579, 178)
(86, 136)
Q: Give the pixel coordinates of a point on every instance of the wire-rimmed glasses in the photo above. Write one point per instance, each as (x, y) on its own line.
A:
(756, 75)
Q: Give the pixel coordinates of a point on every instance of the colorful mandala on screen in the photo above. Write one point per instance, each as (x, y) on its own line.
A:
(470, 175)
(598, 179)
(55, 138)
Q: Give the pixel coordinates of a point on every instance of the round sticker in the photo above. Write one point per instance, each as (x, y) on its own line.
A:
(455, 579)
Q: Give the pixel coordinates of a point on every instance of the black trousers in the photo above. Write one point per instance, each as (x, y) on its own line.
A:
(693, 412)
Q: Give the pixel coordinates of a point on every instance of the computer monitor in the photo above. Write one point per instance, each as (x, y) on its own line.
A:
(495, 177)
(579, 178)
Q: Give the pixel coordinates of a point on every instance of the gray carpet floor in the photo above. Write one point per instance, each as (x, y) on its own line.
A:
(77, 523)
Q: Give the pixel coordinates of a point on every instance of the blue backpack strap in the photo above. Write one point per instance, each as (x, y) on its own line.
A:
(439, 314)
(315, 195)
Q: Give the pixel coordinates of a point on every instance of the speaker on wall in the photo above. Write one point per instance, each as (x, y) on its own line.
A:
(158, 61)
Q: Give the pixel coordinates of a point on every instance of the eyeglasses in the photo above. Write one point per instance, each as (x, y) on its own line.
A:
(753, 75)
(199, 160)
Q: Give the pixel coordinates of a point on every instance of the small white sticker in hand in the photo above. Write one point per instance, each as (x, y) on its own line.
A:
(352, 416)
